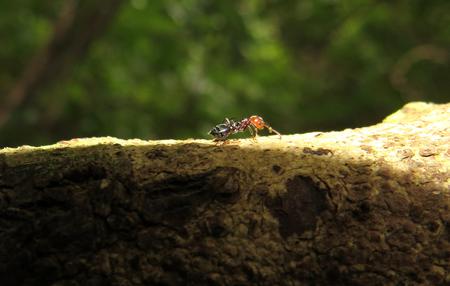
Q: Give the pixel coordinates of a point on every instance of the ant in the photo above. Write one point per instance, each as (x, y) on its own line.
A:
(229, 127)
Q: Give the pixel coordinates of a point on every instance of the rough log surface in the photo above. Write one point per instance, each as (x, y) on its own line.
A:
(367, 206)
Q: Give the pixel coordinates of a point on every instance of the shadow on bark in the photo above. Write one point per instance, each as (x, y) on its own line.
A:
(199, 214)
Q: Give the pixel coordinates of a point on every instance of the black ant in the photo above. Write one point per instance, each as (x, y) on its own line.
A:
(229, 127)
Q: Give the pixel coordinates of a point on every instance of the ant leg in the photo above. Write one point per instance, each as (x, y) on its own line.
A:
(253, 132)
(256, 133)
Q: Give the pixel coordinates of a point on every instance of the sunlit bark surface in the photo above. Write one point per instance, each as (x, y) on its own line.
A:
(367, 206)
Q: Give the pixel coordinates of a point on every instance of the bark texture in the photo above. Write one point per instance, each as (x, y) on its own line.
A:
(367, 206)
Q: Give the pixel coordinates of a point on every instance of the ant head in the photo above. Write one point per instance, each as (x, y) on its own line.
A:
(257, 121)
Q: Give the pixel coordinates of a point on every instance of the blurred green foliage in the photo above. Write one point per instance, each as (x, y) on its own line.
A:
(174, 69)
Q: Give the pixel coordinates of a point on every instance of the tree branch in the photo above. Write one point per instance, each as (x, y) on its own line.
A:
(368, 206)
(80, 23)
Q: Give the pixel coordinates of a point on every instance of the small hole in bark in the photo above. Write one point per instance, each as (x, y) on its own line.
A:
(362, 211)
(433, 226)
(276, 169)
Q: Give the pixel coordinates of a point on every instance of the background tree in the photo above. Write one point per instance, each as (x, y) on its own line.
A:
(174, 68)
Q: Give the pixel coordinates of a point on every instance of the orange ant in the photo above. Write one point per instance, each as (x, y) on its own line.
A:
(229, 127)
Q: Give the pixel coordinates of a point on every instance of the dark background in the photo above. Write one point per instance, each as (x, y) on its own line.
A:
(155, 69)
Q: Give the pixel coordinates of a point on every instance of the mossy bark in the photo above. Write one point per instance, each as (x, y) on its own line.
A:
(368, 206)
